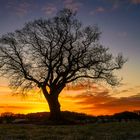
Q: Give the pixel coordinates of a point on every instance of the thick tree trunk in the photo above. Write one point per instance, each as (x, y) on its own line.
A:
(54, 106)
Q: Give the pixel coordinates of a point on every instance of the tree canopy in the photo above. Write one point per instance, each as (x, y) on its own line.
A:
(50, 53)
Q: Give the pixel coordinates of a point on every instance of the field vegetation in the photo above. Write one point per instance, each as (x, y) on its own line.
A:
(97, 131)
(36, 126)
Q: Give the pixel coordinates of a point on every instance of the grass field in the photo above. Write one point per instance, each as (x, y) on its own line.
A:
(100, 131)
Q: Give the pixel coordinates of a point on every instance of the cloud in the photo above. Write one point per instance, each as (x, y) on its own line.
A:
(9, 107)
(99, 9)
(104, 103)
(122, 34)
(88, 98)
(14, 108)
(71, 4)
(23, 107)
(18, 8)
(135, 1)
(119, 3)
(49, 9)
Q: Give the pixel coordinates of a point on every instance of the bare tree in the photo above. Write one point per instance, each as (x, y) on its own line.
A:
(54, 52)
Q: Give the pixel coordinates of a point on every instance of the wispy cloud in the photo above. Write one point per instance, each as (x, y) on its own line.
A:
(87, 98)
(123, 34)
(71, 4)
(123, 2)
(49, 9)
(103, 103)
(23, 107)
(99, 9)
(135, 1)
(18, 8)
(13, 107)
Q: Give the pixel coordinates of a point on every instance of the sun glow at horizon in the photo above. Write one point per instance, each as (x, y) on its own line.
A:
(78, 99)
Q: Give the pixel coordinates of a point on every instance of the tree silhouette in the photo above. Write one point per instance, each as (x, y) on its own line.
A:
(54, 52)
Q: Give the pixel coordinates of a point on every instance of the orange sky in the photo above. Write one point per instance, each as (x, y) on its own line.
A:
(94, 100)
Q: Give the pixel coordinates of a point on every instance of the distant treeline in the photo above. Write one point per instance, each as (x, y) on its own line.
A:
(78, 118)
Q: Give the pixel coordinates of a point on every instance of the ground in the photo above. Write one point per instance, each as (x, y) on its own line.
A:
(97, 131)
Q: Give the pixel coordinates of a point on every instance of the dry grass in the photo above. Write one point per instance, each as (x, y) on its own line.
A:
(101, 131)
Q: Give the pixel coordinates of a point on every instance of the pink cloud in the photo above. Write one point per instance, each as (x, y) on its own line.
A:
(135, 1)
(20, 9)
(49, 9)
(71, 4)
(98, 10)
(120, 2)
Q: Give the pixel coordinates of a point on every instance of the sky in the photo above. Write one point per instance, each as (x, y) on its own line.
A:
(119, 22)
